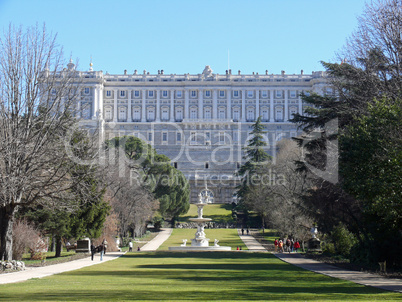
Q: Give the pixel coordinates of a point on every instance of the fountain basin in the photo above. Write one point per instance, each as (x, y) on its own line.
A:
(200, 219)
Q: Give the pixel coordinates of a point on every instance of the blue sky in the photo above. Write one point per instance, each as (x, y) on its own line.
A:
(183, 36)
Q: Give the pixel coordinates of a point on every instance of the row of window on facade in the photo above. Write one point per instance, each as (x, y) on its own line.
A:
(208, 138)
(193, 114)
(207, 93)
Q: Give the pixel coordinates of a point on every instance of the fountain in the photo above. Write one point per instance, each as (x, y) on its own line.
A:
(200, 242)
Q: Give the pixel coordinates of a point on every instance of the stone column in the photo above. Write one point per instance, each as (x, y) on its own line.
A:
(243, 105)
(172, 105)
(286, 113)
(186, 105)
(115, 106)
(158, 105)
(143, 106)
(129, 107)
(78, 114)
(229, 105)
(215, 104)
(257, 103)
(95, 103)
(271, 106)
(200, 103)
(100, 98)
(300, 105)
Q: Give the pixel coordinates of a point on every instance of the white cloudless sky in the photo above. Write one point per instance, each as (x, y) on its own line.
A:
(182, 36)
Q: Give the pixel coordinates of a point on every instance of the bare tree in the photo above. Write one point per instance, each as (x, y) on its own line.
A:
(36, 111)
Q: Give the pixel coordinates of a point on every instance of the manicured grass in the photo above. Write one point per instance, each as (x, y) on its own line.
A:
(220, 213)
(224, 276)
(226, 237)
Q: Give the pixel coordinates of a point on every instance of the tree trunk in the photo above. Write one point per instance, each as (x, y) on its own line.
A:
(59, 246)
(6, 232)
(53, 246)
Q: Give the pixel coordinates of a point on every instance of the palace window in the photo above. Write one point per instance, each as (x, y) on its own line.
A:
(207, 138)
(293, 111)
(137, 114)
(178, 137)
(279, 114)
(86, 90)
(278, 93)
(193, 138)
(165, 114)
(108, 114)
(108, 93)
(250, 93)
(221, 93)
(208, 115)
(137, 93)
(150, 136)
(250, 115)
(122, 93)
(236, 93)
(221, 137)
(122, 113)
(236, 114)
(151, 114)
(221, 114)
(193, 113)
(150, 94)
(164, 93)
(264, 94)
(265, 115)
(164, 137)
(208, 93)
(179, 93)
(179, 114)
(292, 93)
(193, 93)
(235, 136)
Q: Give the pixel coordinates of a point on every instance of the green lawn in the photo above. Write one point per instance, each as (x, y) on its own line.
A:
(220, 213)
(226, 237)
(224, 276)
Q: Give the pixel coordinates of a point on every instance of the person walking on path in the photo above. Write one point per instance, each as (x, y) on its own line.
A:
(130, 246)
(104, 243)
(296, 245)
(276, 245)
(93, 250)
(101, 250)
(242, 231)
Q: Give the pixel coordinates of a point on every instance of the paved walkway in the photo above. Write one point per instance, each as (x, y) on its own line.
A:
(326, 269)
(335, 272)
(44, 271)
(252, 244)
(155, 243)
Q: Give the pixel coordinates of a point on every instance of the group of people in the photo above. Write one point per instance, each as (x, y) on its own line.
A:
(286, 245)
(99, 249)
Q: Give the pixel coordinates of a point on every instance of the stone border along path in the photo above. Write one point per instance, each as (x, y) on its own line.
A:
(326, 269)
(252, 245)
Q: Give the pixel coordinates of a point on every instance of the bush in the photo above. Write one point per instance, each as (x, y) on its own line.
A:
(26, 236)
(343, 240)
(157, 222)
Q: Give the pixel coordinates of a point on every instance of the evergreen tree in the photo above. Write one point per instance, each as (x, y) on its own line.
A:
(255, 157)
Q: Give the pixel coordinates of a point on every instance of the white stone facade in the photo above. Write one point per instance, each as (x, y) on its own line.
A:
(200, 121)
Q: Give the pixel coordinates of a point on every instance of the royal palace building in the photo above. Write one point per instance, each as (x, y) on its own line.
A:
(200, 121)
